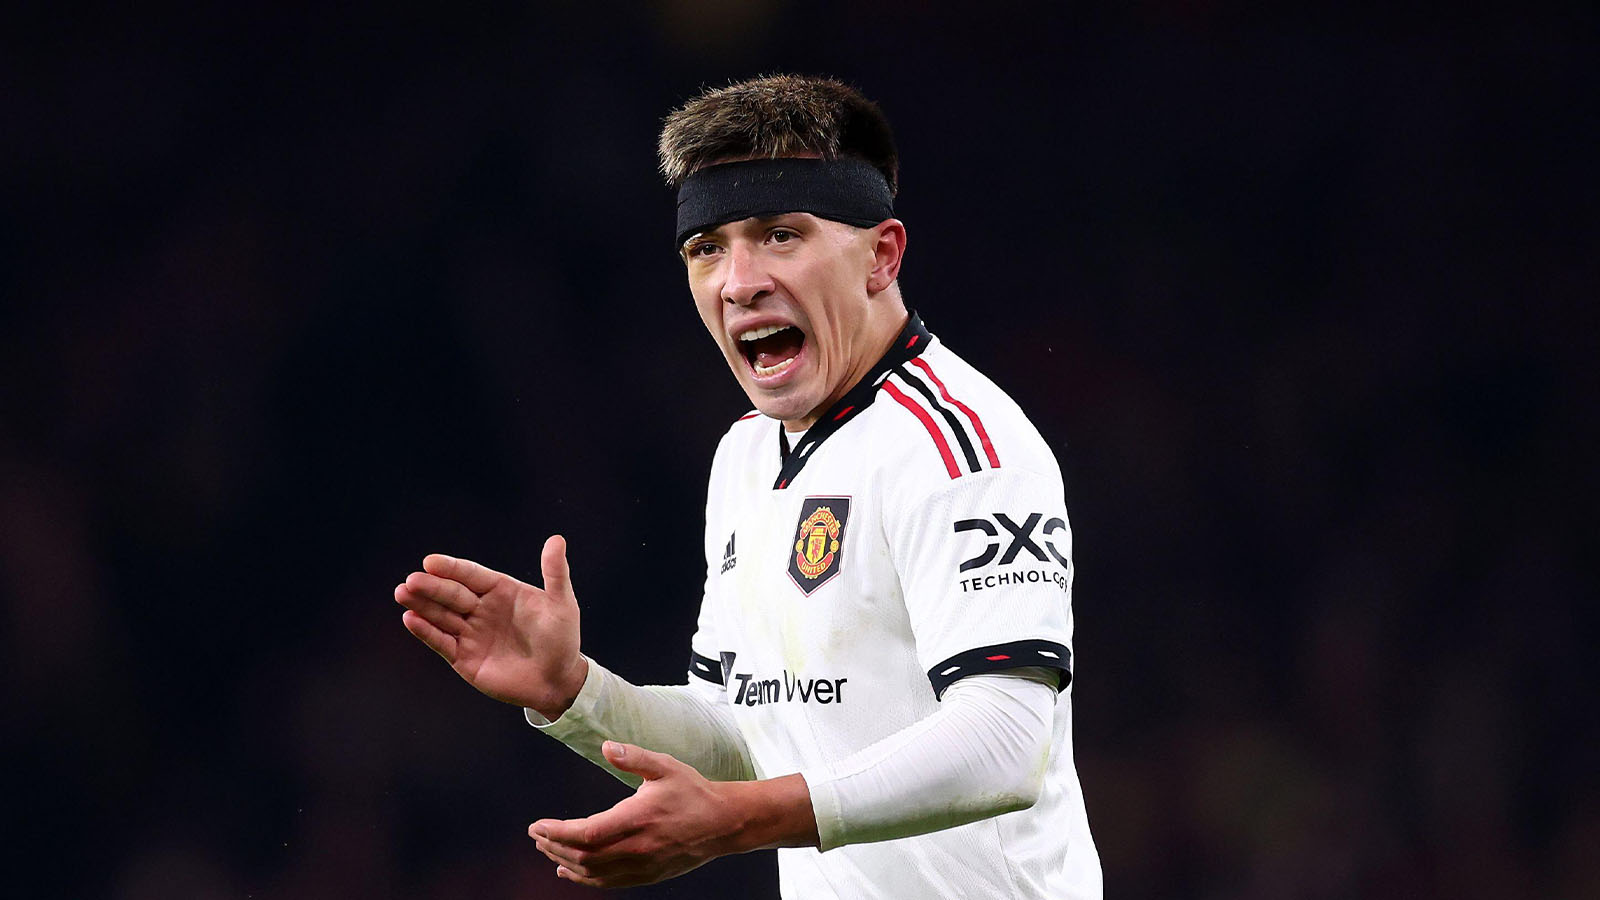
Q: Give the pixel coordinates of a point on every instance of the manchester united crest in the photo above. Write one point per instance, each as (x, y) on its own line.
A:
(819, 542)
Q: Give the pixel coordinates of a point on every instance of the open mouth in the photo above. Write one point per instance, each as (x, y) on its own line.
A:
(771, 349)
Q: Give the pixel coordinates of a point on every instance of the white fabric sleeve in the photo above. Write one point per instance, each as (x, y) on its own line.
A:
(690, 722)
(985, 566)
(983, 753)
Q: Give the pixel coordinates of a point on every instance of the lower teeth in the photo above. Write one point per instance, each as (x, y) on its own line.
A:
(773, 370)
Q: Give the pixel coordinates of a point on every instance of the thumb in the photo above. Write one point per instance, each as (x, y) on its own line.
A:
(553, 564)
(647, 764)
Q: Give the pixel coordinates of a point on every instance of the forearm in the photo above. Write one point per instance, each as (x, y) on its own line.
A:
(982, 754)
(672, 719)
(771, 813)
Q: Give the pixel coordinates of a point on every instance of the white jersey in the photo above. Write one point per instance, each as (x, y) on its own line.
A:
(915, 535)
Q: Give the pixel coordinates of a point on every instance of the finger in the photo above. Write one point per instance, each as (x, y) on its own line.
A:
(428, 633)
(595, 832)
(635, 760)
(570, 834)
(604, 867)
(618, 878)
(569, 875)
(449, 593)
(439, 616)
(553, 564)
(478, 579)
(562, 855)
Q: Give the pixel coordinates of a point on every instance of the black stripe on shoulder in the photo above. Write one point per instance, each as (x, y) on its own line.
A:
(1000, 657)
(957, 427)
(705, 667)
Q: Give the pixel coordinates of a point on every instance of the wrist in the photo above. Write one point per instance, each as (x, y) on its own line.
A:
(772, 813)
(564, 692)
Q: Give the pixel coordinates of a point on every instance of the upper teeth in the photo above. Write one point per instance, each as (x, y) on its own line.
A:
(756, 334)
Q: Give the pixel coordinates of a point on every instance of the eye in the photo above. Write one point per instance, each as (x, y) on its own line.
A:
(781, 236)
(700, 249)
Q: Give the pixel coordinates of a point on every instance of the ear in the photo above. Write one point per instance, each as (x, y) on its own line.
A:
(888, 249)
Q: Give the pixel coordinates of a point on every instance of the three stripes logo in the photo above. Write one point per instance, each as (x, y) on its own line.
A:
(729, 557)
(925, 396)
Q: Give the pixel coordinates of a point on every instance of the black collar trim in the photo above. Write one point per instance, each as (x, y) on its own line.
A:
(908, 345)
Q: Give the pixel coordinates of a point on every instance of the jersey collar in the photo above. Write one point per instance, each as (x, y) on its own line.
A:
(908, 345)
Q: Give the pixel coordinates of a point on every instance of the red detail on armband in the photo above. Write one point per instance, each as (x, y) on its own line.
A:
(913, 342)
(997, 658)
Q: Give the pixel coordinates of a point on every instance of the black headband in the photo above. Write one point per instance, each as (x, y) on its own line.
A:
(846, 189)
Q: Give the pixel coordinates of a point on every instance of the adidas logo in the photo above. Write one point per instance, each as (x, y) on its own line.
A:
(729, 558)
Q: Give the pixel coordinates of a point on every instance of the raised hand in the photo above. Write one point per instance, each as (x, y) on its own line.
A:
(514, 642)
(676, 821)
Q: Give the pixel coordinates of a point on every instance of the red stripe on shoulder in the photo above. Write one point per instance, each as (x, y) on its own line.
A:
(749, 415)
(977, 423)
(928, 423)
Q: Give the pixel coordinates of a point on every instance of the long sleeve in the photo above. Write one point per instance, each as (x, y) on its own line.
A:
(982, 754)
(688, 721)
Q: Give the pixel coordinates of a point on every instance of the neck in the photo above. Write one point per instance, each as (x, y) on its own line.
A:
(881, 335)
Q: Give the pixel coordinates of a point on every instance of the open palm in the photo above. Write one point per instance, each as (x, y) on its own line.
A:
(513, 641)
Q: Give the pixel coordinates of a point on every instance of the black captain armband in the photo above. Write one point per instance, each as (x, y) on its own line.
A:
(1000, 657)
(706, 667)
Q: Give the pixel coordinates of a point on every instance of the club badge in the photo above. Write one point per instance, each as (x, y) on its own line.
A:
(819, 542)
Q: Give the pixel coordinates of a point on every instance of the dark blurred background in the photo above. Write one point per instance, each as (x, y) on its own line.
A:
(296, 293)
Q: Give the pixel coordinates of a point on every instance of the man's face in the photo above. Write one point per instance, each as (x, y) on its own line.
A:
(786, 299)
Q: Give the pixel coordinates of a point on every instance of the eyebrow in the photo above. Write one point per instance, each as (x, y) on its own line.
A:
(772, 217)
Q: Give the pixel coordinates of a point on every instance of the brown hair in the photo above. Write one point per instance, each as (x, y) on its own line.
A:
(776, 116)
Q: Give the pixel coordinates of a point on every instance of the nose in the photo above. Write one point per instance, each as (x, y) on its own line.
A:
(747, 279)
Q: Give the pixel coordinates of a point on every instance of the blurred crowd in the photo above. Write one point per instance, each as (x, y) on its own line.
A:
(295, 295)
